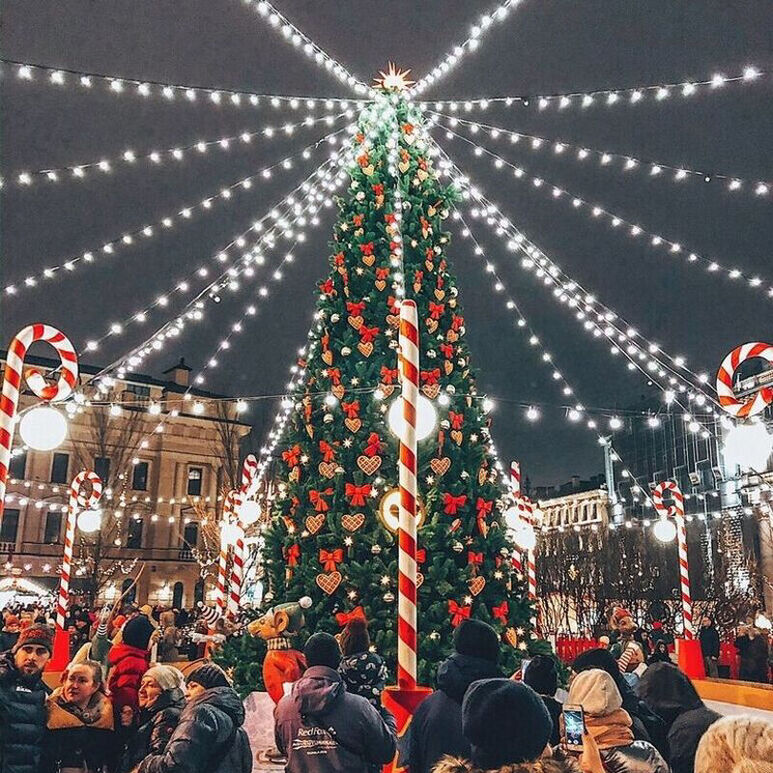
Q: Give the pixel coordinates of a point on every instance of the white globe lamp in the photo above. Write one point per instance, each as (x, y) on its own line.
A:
(43, 428)
(749, 446)
(90, 521)
(664, 530)
(229, 533)
(512, 517)
(426, 417)
(524, 536)
(249, 512)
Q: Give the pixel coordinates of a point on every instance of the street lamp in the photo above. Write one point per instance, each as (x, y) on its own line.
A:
(43, 428)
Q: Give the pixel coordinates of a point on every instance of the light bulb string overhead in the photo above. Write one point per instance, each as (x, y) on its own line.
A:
(607, 158)
(148, 231)
(194, 94)
(157, 158)
(615, 220)
(622, 95)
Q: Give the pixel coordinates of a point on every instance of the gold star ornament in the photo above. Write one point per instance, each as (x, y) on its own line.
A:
(393, 79)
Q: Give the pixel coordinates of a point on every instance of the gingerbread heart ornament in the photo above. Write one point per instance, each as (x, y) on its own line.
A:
(431, 391)
(369, 464)
(457, 436)
(380, 285)
(355, 321)
(329, 582)
(338, 390)
(477, 584)
(315, 522)
(440, 466)
(368, 260)
(353, 425)
(327, 357)
(419, 579)
(365, 347)
(327, 469)
(352, 521)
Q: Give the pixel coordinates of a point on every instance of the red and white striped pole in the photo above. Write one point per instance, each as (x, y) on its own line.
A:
(515, 486)
(249, 469)
(12, 382)
(676, 509)
(229, 509)
(407, 618)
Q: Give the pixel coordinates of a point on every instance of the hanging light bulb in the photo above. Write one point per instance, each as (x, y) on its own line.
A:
(520, 529)
(749, 446)
(90, 521)
(664, 530)
(43, 428)
(426, 417)
(249, 512)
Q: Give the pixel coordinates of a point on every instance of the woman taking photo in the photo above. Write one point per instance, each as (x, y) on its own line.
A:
(161, 700)
(80, 723)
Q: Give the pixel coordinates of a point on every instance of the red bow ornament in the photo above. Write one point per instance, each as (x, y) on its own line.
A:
(430, 377)
(474, 559)
(382, 273)
(451, 504)
(484, 507)
(456, 322)
(327, 287)
(355, 309)
(357, 494)
(458, 613)
(292, 554)
(501, 612)
(394, 305)
(378, 189)
(351, 409)
(292, 455)
(373, 445)
(421, 555)
(363, 159)
(389, 217)
(339, 259)
(436, 310)
(418, 277)
(327, 451)
(334, 375)
(367, 334)
(367, 248)
(342, 618)
(388, 375)
(357, 220)
(329, 559)
(447, 350)
(429, 254)
(456, 419)
(316, 499)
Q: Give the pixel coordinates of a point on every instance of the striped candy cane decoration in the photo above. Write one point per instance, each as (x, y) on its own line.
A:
(12, 379)
(676, 510)
(77, 502)
(755, 404)
(406, 533)
(531, 562)
(229, 509)
(249, 470)
(515, 486)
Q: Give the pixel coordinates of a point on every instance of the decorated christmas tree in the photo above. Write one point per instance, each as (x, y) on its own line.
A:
(332, 534)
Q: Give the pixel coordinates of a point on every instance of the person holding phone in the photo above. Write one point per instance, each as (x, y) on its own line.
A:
(595, 694)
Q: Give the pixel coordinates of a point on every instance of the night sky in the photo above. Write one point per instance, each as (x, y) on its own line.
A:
(543, 47)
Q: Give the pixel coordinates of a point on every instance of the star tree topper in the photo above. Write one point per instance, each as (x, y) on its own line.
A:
(393, 79)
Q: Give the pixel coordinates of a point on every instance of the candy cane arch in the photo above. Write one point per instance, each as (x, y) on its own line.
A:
(743, 409)
(676, 510)
(12, 379)
(77, 501)
(249, 470)
(406, 532)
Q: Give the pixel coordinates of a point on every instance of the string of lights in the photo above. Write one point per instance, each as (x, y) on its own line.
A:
(609, 159)
(158, 158)
(146, 232)
(631, 95)
(617, 222)
(304, 43)
(467, 46)
(119, 85)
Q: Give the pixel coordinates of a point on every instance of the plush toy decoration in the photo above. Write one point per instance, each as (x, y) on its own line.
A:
(283, 663)
(624, 629)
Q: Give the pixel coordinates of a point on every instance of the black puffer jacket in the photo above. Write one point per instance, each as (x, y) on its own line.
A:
(668, 691)
(157, 724)
(22, 718)
(208, 739)
(638, 757)
(436, 727)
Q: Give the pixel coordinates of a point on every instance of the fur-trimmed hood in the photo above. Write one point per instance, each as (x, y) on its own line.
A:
(547, 765)
(59, 717)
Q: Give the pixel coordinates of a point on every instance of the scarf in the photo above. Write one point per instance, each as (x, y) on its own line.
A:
(278, 643)
(611, 730)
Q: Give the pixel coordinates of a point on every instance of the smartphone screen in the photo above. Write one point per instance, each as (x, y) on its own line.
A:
(524, 665)
(574, 726)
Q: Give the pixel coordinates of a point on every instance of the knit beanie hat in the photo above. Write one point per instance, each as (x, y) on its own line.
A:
(541, 675)
(505, 722)
(476, 639)
(35, 634)
(595, 690)
(167, 677)
(354, 638)
(737, 744)
(322, 650)
(209, 675)
(137, 632)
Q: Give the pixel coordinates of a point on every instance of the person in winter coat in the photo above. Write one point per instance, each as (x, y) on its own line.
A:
(80, 723)
(321, 728)
(668, 691)
(752, 646)
(170, 637)
(709, 639)
(436, 727)
(660, 654)
(647, 725)
(611, 725)
(508, 728)
(209, 738)
(542, 677)
(736, 744)
(128, 661)
(10, 633)
(23, 701)
(364, 672)
(161, 700)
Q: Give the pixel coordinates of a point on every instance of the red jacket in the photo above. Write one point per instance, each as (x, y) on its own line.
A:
(127, 665)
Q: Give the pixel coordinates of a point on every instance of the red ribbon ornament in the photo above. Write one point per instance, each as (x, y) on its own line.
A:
(334, 375)
(373, 445)
(458, 613)
(292, 554)
(342, 618)
(382, 273)
(378, 189)
(421, 556)
(357, 494)
(327, 287)
(456, 322)
(484, 507)
(388, 375)
(357, 219)
(367, 248)
(456, 419)
(327, 451)
(316, 499)
(329, 559)
(451, 504)
(436, 310)
(501, 612)
(352, 409)
(292, 455)
(474, 559)
(430, 377)
(339, 259)
(447, 350)
(367, 334)
(355, 308)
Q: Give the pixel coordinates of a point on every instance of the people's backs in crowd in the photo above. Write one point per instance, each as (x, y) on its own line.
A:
(611, 725)
(752, 646)
(129, 660)
(668, 692)
(736, 744)
(79, 725)
(647, 725)
(168, 651)
(321, 728)
(10, 633)
(507, 728)
(660, 654)
(542, 676)
(209, 737)
(23, 701)
(161, 700)
(364, 672)
(436, 726)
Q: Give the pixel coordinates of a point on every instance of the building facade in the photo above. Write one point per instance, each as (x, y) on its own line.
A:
(166, 453)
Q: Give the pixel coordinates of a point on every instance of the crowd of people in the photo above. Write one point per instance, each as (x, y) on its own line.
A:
(118, 710)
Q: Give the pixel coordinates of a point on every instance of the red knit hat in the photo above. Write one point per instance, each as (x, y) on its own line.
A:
(36, 634)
